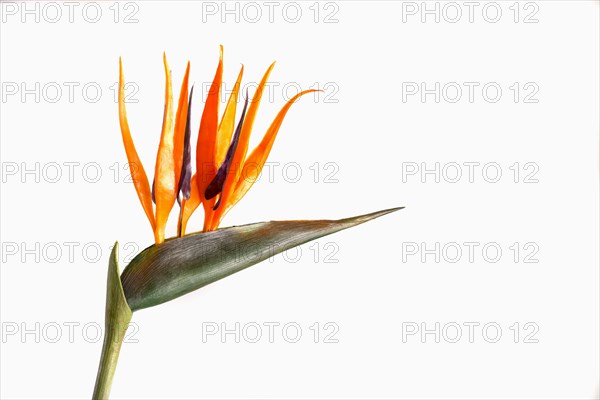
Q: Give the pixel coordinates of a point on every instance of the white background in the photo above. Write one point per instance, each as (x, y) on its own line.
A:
(377, 289)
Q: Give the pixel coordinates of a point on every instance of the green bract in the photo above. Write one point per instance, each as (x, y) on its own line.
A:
(181, 265)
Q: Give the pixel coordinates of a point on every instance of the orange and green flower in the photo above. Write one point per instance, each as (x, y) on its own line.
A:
(225, 172)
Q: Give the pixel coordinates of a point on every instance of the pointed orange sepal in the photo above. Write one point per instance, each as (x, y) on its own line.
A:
(256, 160)
(138, 174)
(209, 125)
(180, 124)
(164, 177)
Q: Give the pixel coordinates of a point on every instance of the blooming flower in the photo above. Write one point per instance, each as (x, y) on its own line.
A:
(224, 174)
(224, 169)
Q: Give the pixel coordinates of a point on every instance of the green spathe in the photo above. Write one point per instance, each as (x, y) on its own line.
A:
(178, 266)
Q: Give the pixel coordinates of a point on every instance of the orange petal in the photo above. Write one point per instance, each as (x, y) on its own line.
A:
(242, 149)
(205, 148)
(164, 177)
(206, 167)
(180, 124)
(256, 161)
(227, 124)
(138, 174)
(190, 204)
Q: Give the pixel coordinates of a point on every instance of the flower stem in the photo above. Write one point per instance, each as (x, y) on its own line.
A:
(117, 318)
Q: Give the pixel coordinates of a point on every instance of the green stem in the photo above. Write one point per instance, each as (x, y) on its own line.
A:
(117, 318)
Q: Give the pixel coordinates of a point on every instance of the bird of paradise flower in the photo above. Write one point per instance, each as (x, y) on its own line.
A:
(224, 173)
(224, 170)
